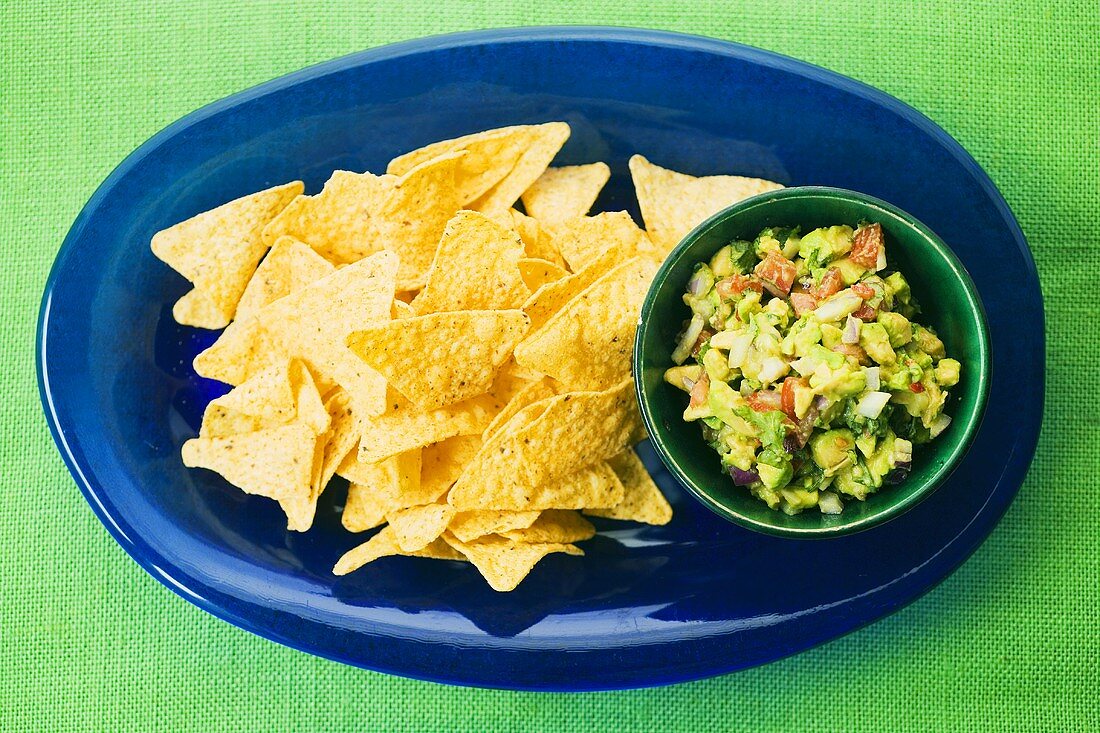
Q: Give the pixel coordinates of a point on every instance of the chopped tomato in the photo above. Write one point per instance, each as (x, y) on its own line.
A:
(700, 390)
(765, 401)
(866, 246)
(916, 387)
(863, 290)
(704, 336)
(737, 284)
(787, 396)
(830, 284)
(865, 313)
(803, 303)
(778, 274)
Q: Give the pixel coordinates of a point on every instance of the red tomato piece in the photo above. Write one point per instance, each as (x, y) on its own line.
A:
(700, 390)
(737, 284)
(778, 274)
(916, 387)
(866, 246)
(765, 401)
(787, 396)
(830, 284)
(803, 303)
(863, 290)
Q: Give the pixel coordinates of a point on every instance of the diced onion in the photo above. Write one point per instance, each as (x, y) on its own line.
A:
(829, 503)
(870, 404)
(739, 350)
(903, 451)
(880, 263)
(939, 425)
(873, 376)
(687, 341)
(804, 366)
(723, 339)
(772, 369)
(697, 285)
(851, 330)
(838, 306)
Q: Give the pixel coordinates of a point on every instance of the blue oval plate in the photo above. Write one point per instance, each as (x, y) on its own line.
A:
(646, 606)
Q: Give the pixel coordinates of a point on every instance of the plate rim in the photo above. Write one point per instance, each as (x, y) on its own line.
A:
(165, 572)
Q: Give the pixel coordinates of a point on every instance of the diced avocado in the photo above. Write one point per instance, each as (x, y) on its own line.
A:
(833, 360)
(831, 335)
(843, 384)
(748, 305)
(769, 496)
(825, 244)
(676, 376)
(781, 310)
(898, 287)
(766, 244)
(722, 262)
(880, 462)
(876, 342)
(897, 327)
(714, 361)
(741, 448)
(795, 500)
(897, 377)
(934, 406)
(855, 481)
(947, 372)
(832, 448)
(803, 398)
(775, 477)
(929, 342)
(722, 399)
(914, 402)
(865, 443)
(850, 270)
(801, 337)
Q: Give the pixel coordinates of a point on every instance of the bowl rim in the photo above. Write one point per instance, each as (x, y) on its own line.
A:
(974, 415)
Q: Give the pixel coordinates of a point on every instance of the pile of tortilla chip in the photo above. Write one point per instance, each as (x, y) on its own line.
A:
(464, 365)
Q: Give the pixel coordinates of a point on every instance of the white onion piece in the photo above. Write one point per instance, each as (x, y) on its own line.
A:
(723, 339)
(804, 366)
(739, 350)
(829, 503)
(697, 283)
(880, 263)
(851, 330)
(870, 404)
(873, 376)
(687, 342)
(939, 425)
(772, 369)
(903, 451)
(838, 306)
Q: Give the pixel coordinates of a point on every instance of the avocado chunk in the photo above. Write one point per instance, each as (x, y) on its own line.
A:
(876, 342)
(947, 372)
(832, 449)
(825, 244)
(850, 270)
(897, 328)
(928, 342)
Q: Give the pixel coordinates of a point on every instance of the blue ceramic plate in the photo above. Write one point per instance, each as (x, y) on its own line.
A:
(646, 606)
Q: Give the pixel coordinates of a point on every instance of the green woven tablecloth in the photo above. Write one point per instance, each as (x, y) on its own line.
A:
(89, 642)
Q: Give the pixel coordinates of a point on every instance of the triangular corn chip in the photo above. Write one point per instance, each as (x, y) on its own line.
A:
(312, 324)
(538, 243)
(504, 563)
(584, 239)
(536, 272)
(441, 463)
(554, 525)
(643, 501)
(290, 265)
(565, 193)
(476, 267)
(275, 462)
(442, 358)
(470, 525)
(218, 251)
(415, 527)
(265, 400)
(384, 544)
(592, 486)
(549, 299)
(498, 164)
(575, 429)
(531, 393)
(404, 426)
(674, 203)
(587, 344)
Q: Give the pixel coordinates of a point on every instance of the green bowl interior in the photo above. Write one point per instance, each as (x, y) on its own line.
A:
(949, 303)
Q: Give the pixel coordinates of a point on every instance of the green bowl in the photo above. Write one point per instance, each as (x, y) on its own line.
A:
(949, 303)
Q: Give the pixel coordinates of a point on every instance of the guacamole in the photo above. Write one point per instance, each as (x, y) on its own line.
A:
(806, 366)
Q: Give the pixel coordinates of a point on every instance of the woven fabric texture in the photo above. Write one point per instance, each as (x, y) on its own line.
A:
(1010, 642)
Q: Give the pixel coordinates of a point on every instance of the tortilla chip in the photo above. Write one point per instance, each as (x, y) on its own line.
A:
(575, 429)
(475, 268)
(536, 273)
(400, 309)
(307, 400)
(643, 501)
(365, 508)
(441, 358)
(380, 488)
(489, 157)
(470, 525)
(441, 463)
(384, 544)
(405, 426)
(554, 525)
(312, 324)
(218, 251)
(499, 164)
(341, 440)
(530, 394)
(591, 486)
(358, 214)
(538, 243)
(587, 345)
(674, 203)
(549, 299)
(584, 239)
(417, 526)
(504, 563)
(565, 193)
(290, 265)
(266, 400)
(274, 462)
